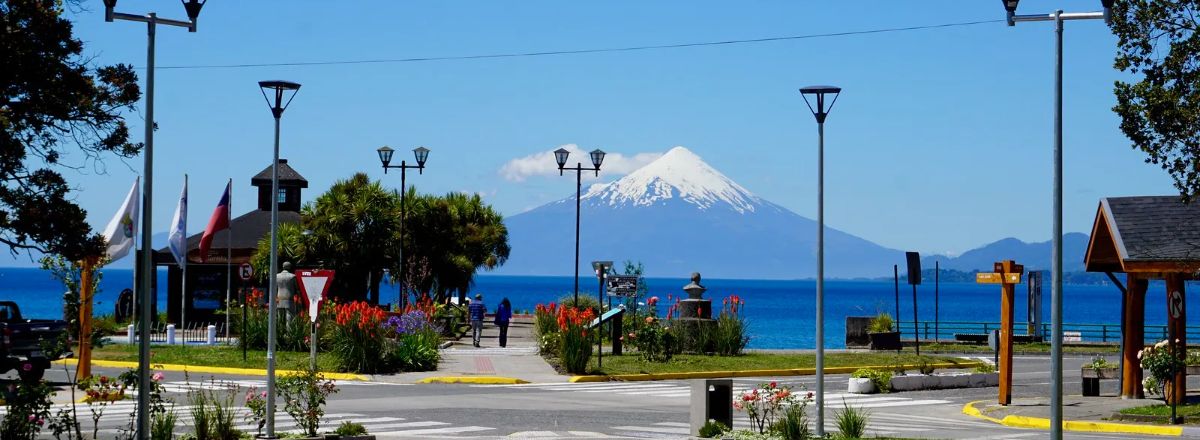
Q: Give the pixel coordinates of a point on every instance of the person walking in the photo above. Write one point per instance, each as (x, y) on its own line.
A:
(503, 315)
(476, 310)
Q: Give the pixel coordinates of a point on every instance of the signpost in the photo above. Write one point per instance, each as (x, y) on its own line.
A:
(244, 272)
(314, 284)
(1007, 274)
(622, 285)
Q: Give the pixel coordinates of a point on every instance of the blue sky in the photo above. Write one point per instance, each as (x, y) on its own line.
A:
(941, 141)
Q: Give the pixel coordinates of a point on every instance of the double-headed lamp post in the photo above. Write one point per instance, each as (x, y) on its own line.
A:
(820, 94)
(282, 93)
(1010, 6)
(385, 156)
(192, 7)
(560, 156)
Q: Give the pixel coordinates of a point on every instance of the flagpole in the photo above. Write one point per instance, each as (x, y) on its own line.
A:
(133, 317)
(228, 257)
(184, 265)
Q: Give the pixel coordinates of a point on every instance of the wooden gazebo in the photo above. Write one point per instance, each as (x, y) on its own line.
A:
(1147, 238)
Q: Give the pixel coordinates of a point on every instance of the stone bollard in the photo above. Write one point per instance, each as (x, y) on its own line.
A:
(131, 335)
(170, 334)
(212, 335)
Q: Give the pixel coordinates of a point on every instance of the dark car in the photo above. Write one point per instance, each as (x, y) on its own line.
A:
(22, 341)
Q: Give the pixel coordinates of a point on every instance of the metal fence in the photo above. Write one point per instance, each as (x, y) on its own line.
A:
(1072, 332)
(192, 334)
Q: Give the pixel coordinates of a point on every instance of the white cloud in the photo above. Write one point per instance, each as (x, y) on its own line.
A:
(543, 164)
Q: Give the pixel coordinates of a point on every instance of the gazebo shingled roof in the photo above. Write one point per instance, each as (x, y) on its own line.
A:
(1147, 234)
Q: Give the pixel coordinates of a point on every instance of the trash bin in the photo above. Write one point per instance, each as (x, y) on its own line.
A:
(712, 399)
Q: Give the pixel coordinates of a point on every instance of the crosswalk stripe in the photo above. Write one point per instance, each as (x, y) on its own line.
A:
(449, 430)
(658, 429)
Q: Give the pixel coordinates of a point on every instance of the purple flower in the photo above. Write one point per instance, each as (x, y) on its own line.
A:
(408, 323)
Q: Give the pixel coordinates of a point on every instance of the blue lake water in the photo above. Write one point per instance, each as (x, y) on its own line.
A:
(780, 314)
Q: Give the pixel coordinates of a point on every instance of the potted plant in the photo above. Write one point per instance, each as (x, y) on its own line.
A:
(881, 333)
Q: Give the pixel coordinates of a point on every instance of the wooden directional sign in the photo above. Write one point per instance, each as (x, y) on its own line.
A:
(998, 278)
(622, 285)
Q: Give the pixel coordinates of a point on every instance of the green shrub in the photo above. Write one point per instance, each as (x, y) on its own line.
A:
(417, 350)
(359, 340)
(851, 421)
(545, 328)
(304, 396)
(793, 424)
(653, 341)
(985, 368)
(27, 408)
(713, 429)
(925, 367)
(881, 323)
(350, 428)
(881, 379)
(575, 341)
(729, 335)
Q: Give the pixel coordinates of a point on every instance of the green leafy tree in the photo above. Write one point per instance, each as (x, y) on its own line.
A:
(1160, 113)
(449, 238)
(353, 231)
(53, 102)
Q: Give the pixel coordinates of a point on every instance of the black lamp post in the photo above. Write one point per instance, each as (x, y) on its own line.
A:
(282, 93)
(601, 268)
(560, 156)
(192, 7)
(385, 156)
(820, 94)
(1010, 8)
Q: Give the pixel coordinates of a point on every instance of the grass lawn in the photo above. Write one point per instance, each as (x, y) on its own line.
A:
(213, 356)
(1188, 410)
(632, 364)
(1031, 348)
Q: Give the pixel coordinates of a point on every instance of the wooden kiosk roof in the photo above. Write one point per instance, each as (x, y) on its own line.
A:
(1150, 235)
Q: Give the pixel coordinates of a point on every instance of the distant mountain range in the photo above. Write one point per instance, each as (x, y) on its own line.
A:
(679, 215)
(1034, 256)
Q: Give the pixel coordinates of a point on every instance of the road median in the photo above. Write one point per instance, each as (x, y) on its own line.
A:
(758, 373)
(201, 369)
(1021, 421)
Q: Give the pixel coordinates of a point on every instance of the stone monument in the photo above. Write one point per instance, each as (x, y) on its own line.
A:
(695, 306)
(695, 317)
(285, 286)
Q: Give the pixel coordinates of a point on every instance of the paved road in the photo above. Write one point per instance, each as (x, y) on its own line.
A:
(608, 410)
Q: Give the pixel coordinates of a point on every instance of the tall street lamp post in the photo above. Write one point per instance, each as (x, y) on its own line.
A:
(601, 268)
(385, 156)
(192, 7)
(1058, 17)
(820, 94)
(282, 93)
(560, 156)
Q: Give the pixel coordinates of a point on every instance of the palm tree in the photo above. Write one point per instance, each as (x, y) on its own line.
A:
(448, 239)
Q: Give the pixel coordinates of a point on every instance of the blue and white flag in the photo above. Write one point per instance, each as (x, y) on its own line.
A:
(118, 235)
(177, 239)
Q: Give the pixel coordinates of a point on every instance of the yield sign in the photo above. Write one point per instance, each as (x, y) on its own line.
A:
(314, 284)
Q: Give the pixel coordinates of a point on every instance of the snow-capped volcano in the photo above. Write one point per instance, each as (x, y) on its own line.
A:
(679, 215)
(678, 174)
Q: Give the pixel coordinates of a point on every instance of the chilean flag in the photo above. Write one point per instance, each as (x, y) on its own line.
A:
(219, 221)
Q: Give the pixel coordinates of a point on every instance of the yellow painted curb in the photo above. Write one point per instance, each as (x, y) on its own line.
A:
(752, 373)
(1016, 421)
(480, 380)
(211, 370)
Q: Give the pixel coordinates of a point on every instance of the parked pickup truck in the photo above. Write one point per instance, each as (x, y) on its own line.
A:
(21, 342)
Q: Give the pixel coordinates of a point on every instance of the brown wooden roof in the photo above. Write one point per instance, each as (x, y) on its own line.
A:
(1145, 234)
(247, 230)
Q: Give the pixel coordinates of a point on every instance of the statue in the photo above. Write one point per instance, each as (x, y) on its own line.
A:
(285, 290)
(694, 289)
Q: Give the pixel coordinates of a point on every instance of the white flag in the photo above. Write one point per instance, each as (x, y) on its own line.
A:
(120, 230)
(177, 240)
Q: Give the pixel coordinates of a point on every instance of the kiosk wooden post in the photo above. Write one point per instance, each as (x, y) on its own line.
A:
(1007, 274)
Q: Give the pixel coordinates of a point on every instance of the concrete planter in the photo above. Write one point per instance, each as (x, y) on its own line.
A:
(944, 381)
(861, 385)
(884, 341)
(1100, 373)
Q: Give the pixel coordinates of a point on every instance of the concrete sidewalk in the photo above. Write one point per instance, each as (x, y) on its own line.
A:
(518, 360)
(1084, 414)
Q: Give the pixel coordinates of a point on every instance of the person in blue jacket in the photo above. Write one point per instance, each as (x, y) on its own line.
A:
(503, 315)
